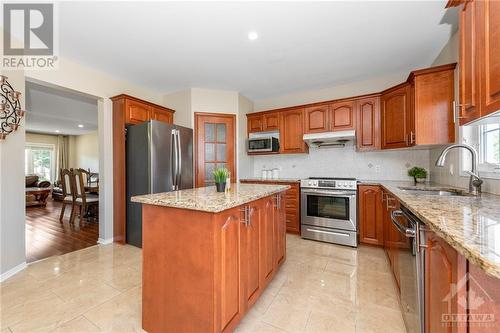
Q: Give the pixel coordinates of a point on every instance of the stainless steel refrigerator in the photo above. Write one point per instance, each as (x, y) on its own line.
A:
(159, 159)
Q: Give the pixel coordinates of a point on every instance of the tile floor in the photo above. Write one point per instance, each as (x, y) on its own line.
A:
(320, 288)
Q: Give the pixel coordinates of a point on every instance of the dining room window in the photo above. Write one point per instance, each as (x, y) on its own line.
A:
(39, 160)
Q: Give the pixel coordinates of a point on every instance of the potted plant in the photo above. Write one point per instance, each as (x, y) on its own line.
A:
(419, 174)
(220, 177)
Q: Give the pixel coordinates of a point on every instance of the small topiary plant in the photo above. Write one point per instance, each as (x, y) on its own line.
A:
(417, 173)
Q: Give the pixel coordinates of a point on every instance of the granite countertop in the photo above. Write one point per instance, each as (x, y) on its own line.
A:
(274, 180)
(469, 224)
(207, 199)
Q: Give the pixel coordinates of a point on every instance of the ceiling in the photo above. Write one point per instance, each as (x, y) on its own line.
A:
(171, 46)
(50, 109)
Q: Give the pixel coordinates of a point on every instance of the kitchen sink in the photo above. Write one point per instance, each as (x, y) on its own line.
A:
(435, 191)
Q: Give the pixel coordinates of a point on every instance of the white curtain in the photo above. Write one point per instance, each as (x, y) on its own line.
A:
(62, 153)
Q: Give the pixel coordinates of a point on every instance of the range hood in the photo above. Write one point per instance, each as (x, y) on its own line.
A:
(329, 139)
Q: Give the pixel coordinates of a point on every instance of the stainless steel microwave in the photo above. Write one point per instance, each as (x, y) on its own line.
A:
(263, 145)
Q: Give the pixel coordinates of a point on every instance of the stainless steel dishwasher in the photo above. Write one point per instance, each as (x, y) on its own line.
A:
(411, 269)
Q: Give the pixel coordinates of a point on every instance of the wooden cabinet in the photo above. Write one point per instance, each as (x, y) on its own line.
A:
(488, 37)
(395, 112)
(291, 203)
(267, 241)
(271, 121)
(368, 123)
(479, 60)
(371, 223)
(420, 112)
(342, 116)
(432, 119)
(231, 283)
(250, 235)
(136, 112)
(162, 115)
(316, 119)
(266, 122)
(292, 131)
(441, 263)
(483, 299)
(469, 75)
(254, 123)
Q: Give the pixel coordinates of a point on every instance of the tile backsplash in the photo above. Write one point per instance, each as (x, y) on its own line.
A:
(345, 162)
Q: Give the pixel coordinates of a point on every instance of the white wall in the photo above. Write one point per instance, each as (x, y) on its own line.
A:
(245, 164)
(84, 151)
(345, 162)
(12, 200)
(450, 174)
(340, 91)
(180, 101)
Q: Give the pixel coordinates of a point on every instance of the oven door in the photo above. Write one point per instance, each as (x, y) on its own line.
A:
(329, 209)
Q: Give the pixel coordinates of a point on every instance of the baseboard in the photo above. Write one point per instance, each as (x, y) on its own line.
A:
(12, 271)
(105, 241)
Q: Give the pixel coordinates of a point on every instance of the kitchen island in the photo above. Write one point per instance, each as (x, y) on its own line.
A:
(208, 256)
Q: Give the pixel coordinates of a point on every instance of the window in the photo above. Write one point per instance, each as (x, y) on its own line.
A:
(39, 160)
(485, 137)
(489, 136)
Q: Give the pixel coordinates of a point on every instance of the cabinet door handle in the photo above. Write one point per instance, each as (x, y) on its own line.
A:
(244, 210)
(412, 138)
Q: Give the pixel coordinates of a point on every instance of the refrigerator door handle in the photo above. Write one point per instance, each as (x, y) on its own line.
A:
(179, 159)
(174, 159)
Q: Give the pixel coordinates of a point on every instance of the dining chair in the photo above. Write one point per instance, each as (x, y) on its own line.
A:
(82, 199)
(86, 176)
(68, 192)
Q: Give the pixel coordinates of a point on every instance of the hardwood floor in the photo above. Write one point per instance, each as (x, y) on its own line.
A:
(46, 236)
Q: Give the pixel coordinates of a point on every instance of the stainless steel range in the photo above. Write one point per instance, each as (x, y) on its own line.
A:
(328, 207)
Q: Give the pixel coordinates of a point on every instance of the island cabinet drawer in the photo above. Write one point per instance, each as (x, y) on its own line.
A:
(291, 199)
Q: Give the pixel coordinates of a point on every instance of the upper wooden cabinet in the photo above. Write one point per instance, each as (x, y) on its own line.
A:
(271, 121)
(432, 118)
(317, 119)
(161, 114)
(395, 112)
(479, 58)
(263, 122)
(137, 111)
(292, 131)
(420, 111)
(254, 123)
(368, 123)
(488, 38)
(469, 76)
(342, 116)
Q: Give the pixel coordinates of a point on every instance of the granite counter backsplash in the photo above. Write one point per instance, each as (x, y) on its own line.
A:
(207, 199)
(469, 224)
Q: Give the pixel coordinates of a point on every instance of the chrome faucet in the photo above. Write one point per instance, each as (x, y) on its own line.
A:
(474, 181)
